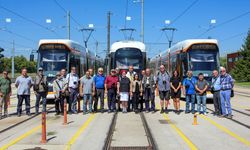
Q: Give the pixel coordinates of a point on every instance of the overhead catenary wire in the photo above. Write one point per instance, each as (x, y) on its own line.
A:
(17, 44)
(233, 36)
(28, 20)
(224, 23)
(64, 10)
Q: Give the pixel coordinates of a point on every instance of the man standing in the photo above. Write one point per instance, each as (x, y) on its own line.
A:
(201, 94)
(111, 90)
(227, 84)
(58, 88)
(41, 89)
(73, 85)
(5, 93)
(215, 88)
(87, 86)
(23, 84)
(99, 81)
(149, 90)
(130, 74)
(163, 80)
(189, 91)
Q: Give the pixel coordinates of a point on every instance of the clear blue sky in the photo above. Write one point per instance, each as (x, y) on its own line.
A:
(191, 24)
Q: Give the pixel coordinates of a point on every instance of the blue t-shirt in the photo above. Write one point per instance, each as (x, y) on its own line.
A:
(99, 81)
(23, 85)
(189, 84)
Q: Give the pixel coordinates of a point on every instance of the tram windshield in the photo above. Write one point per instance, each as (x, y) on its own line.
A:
(129, 56)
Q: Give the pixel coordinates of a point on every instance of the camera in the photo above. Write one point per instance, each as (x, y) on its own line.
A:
(147, 85)
(164, 82)
(74, 82)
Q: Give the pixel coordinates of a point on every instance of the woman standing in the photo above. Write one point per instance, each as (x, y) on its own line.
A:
(124, 89)
(137, 92)
(175, 83)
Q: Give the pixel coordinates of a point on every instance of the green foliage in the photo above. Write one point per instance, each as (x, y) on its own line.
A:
(223, 61)
(241, 72)
(20, 62)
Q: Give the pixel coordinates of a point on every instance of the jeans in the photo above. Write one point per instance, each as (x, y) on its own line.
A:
(20, 103)
(190, 98)
(217, 103)
(201, 100)
(99, 94)
(40, 95)
(225, 102)
(111, 99)
(149, 96)
(85, 98)
(73, 99)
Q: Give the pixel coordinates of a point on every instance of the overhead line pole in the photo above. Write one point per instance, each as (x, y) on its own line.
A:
(142, 21)
(13, 61)
(108, 42)
(68, 22)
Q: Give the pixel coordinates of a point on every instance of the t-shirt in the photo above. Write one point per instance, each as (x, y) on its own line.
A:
(124, 84)
(23, 85)
(189, 84)
(5, 85)
(201, 85)
(175, 81)
(87, 85)
(99, 81)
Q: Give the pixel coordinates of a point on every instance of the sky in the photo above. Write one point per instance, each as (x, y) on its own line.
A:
(191, 18)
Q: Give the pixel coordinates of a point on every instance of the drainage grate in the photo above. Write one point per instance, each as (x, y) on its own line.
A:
(132, 148)
(163, 121)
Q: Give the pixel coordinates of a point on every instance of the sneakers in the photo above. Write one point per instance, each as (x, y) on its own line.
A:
(162, 111)
(229, 116)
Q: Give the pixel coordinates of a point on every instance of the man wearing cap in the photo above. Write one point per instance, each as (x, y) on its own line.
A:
(58, 88)
(41, 89)
(111, 89)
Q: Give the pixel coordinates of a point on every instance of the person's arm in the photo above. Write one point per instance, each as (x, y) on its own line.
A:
(172, 86)
(118, 87)
(197, 89)
(17, 82)
(31, 82)
(81, 89)
(183, 87)
(179, 86)
(106, 85)
(205, 89)
(131, 86)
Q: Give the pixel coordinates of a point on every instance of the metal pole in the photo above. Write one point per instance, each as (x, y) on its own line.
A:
(13, 61)
(108, 42)
(68, 22)
(142, 21)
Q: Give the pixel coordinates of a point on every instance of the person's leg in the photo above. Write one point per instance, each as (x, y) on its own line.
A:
(167, 98)
(57, 105)
(70, 100)
(74, 103)
(1, 105)
(222, 98)
(193, 103)
(102, 99)
(137, 101)
(219, 103)
(228, 103)
(113, 101)
(19, 104)
(90, 103)
(44, 102)
(27, 104)
(84, 107)
(204, 103)
(96, 100)
(61, 103)
(198, 97)
(38, 97)
(5, 105)
(152, 98)
(188, 98)
(215, 101)
(177, 104)
(161, 95)
(126, 105)
(147, 99)
(110, 94)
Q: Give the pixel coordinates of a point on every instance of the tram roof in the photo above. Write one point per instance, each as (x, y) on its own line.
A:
(184, 45)
(128, 44)
(69, 43)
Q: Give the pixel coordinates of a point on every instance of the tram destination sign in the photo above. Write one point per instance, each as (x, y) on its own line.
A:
(52, 46)
(204, 46)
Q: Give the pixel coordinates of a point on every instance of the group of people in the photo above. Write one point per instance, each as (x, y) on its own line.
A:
(125, 90)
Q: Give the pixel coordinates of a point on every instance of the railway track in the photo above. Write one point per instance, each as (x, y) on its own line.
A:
(151, 143)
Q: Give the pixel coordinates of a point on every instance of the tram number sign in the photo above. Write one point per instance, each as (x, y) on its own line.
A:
(204, 46)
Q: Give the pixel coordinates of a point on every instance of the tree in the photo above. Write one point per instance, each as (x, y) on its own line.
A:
(241, 72)
(20, 62)
(223, 61)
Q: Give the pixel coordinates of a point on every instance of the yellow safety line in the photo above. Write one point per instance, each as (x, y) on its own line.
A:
(181, 134)
(224, 129)
(20, 137)
(79, 131)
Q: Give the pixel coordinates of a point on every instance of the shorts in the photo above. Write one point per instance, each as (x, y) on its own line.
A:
(164, 95)
(124, 96)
